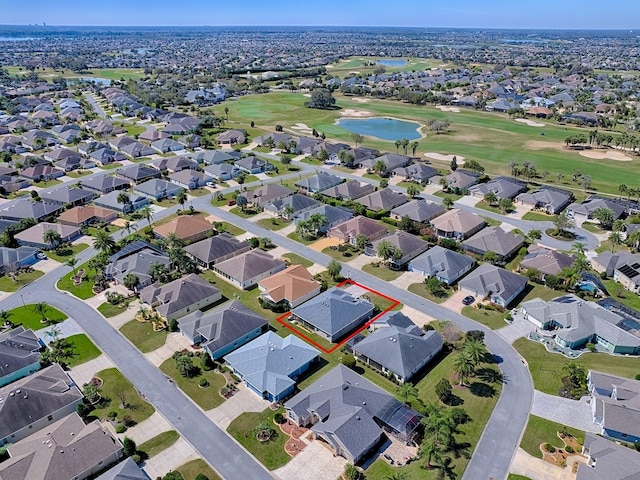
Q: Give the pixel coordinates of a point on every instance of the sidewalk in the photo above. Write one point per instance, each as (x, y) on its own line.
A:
(536, 468)
(84, 372)
(179, 454)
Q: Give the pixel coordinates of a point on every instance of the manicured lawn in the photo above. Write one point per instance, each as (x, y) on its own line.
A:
(273, 223)
(222, 202)
(132, 129)
(83, 350)
(193, 468)
(11, 285)
(271, 454)
(546, 367)
(538, 217)
(513, 476)
(110, 166)
(159, 443)
(421, 289)
(207, 398)
(305, 241)
(540, 430)
(296, 259)
(490, 318)
(166, 202)
(246, 213)
(78, 173)
(381, 272)
(533, 290)
(346, 256)
(622, 295)
(199, 192)
(48, 183)
(82, 291)
(28, 318)
(116, 386)
(452, 196)
(141, 334)
(64, 254)
(108, 310)
(231, 229)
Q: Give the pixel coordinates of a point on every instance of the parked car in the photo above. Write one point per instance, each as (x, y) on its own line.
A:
(468, 300)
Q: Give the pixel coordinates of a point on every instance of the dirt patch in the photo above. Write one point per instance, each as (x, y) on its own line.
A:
(445, 108)
(350, 112)
(302, 127)
(606, 155)
(469, 137)
(542, 145)
(531, 123)
(445, 158)
(361, 100)
(559, 456)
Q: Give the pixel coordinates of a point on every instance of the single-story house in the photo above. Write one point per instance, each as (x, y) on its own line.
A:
(157, 189)
(137, 259)
(607, 460)
(106, 155)
(385, 199)
(444, 264)
(460, 180)
(180, 297)
(496, 284)
(221, 171)
(546, 261)
(190, 179)
(292, 286)
(68, 195)
(175, 164)
(217, 248)
(213, 157)
(86, 215)
(410, 245)
(334, 215)
(33, 236)
(19, 354)
(190, 228)
(417, 172)
(13, 258)
(223, 329)
(247, 269)
(291, 206)
(319, 182)
(253, 165)
(137, 173)
(104, 183)
(349, 190)
(550, 200)
(503, 187)
(457, 224)
(494, 239)
(165, 145)
(333, 314)
(268, 193)
(231, 137)
(349, 231)
(583, 211)
(41, 173)
(137, 150)
(110, 201)
(25, 208)
(270, 365)
(390, 160)
(419, 211)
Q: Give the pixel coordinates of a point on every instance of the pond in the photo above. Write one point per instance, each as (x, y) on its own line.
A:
(390, 62)
(384, 128)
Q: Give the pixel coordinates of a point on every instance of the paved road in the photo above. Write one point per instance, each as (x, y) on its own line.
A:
(96, 106)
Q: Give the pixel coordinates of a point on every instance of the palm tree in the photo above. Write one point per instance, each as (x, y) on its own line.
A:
(475, 350)
(398, 143)
(463, 365)
(615, 239)
(357, 138)
(619, 226)
(385, 249)
(406, 391)
(444, 183)
(103, 242)
(412, 191)
(534, 235)
(431, 451)
(414, 147)
(72, 262)
(4, 317)
(123, 198)
(578, 248)
(182, 199)
(131, 281)
(147, 212)
(334, 269)
(41, 308)
(405, 145)
(397, 476)
(490, 197)
(157, 271)
(605, 216)
(241, 201)
(128, 227)
(622, 189)
(447, 202)
(633, 240)
(51, 238)
(380, 167)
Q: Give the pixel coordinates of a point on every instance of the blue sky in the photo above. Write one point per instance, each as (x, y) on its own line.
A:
(577, 14)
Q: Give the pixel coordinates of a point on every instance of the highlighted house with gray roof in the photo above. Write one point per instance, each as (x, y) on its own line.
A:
(19, 354)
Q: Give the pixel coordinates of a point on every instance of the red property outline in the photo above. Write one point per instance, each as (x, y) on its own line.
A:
(282, 319)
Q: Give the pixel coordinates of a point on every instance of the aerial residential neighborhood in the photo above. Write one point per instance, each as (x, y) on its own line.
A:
(383, 253)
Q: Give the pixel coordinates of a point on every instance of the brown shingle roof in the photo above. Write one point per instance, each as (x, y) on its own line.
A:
(291, 284)
(78, 215)
(185, 226)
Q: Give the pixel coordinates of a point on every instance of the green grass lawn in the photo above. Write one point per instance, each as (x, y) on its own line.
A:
(622, 295)
(193, 468)
(538, 217)
(198, 192)
(546, 367)
(108, 310)
(452, 196)
(345, 256)
(207, 398)
(220, 203)
(141, 334)
(305, 241)
(83, 350)
(421, 290)
(489, 318)
(231, 229)
(82, 291)
(540, 430)
(49, 183)
(271, 454)
(246, 213)
(11, 285)
(28, 318)
(513, 476)
(132, 129)
(109, 73)
(273, 223)
(295, 259)
(159, 443)
(381, 272)
(78, 173)
(64, 254)
(110, 166)
(116, 386)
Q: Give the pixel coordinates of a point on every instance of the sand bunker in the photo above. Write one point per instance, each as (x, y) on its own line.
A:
(605, 154)
(360, 100)
(446, 108)
(445, 158)
(350, 112)
(531, 123)
(302, 127)
(541, 145)
(306, 95)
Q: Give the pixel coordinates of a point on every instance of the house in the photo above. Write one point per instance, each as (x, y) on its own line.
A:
(291, 206)
(410, 245)
(400, 349)
(349, 190)
(105, 156)
(495, 284)
(64, 450)
(417, 172)
(136, 258)
(44, 397)
(391, 162)
(190, 179)
(319, 182)
(270, 364)
(86, 215)
(152, 135)
(41, 173)
(584, 211)
(385, 199)
(267, 193)
(444, 264)
(615, 406)
(607, 460)
(12, 183)
(628, 274)
(190, 228)
(104, 183)
(175, 164)
(503, 187)
(334, 215)
(33, 236)
(348, 232)
(166, 145)
(125, 470)
(157, 189)
(180, 297)
(68, 196)
(550, 200)
(27, 209)
(578, 322)
(457, 224)
(110, 201)
(19, 354)
(247, 269)
(137, 173)
(232, 137)
(137, 150)
(75, 163)
(546, 261)
(292, 286)
(608, 262)
(217, 248)
(12, 259)
(494, 239)
(120, 142)
(351, 414)
(418, 211)
(333, 314)
(223, 329)
(214, 157)
(253, 165)
(460, 180)
(221, 171)
(207, 96)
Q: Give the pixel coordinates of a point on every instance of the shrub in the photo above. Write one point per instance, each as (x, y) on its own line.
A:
(349, 361)
(128, 421)
(129, 447)
(638, 376)
(443, 390)
(202, 476)
(203, 382)
(279, 418)
(136, 457)
(120, 428)
(84, 410)
(112, 415)
(549, 448)
(569, 449)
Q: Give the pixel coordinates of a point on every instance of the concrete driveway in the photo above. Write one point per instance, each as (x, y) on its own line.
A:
(536, 468)
(315, 462)
(84, 372)
(243, 401)
(574, 413)
(174, 343)
(517, 329)
(151, 427)
(45, 266)
(406, 279)
(63, 329)
(418, 317)
(179, 454)
(454, 302)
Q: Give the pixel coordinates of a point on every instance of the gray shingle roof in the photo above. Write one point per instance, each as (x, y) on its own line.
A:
(126, 470)
(28, 209)
(553, 199)
(350, 190)
(320, 181)
(18, 349)
(384, 199)
(66, 195)
(494, 239)
(156, 187)
(296, 201)
(489, 279)
(211, 249)
(104, 183)
(546, 261)
(138, 263)
(503, 187)
(9, 257)
(419, 210)
(176, 295)
(608, 461)
(249, 265)
(442, 262)
(410, 245)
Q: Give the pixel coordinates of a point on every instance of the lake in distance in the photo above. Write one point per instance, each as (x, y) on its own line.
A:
(390, 62)
(389, 129)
